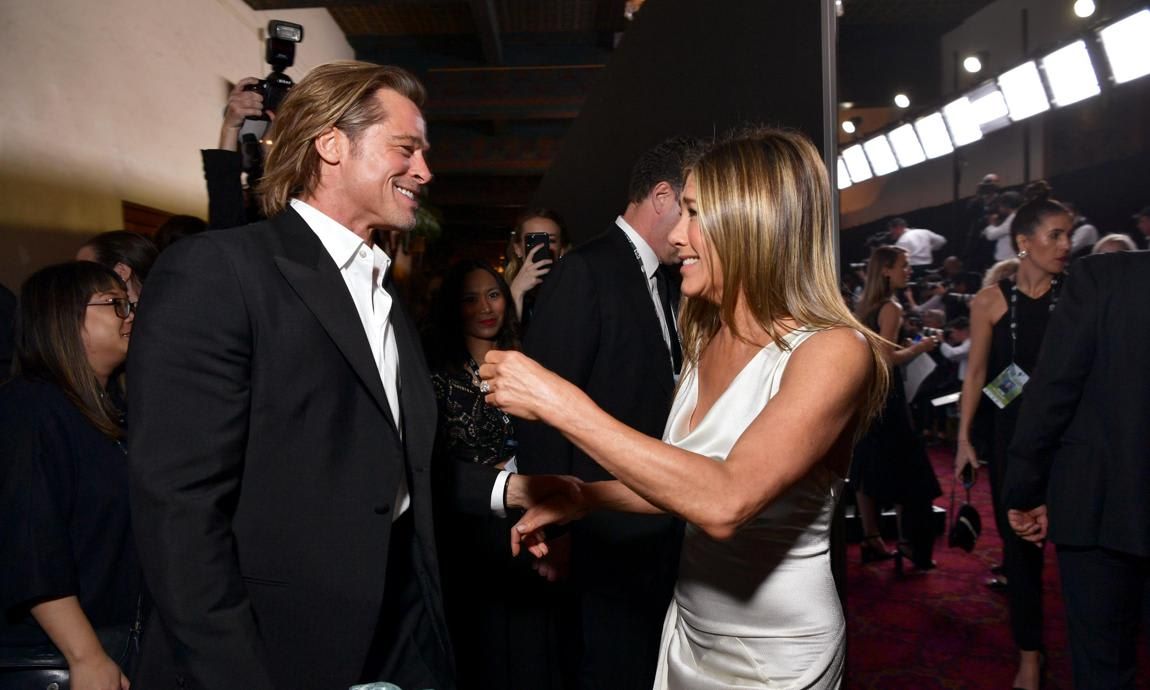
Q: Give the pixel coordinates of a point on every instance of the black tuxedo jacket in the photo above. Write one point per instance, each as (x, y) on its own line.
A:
(1082, 444)
(595, 325)
(265, 461)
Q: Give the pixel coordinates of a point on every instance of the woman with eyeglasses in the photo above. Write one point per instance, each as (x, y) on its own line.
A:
(70, 586)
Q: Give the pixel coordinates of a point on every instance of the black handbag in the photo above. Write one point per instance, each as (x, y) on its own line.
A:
(965, 522)
(43, 667)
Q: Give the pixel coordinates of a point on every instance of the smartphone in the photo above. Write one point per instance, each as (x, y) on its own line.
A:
(968, 476)
(532, 240)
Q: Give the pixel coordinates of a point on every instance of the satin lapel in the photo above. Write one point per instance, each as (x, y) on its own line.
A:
(635, 289)
(312, 274)
(416, 397)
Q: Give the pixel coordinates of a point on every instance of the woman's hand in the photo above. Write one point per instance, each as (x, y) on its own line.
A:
(97, 673)
(964, 456)
(516, 384)
(530, 276)
(559, 509)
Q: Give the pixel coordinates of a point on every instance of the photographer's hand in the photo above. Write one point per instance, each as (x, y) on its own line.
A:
(241, 104)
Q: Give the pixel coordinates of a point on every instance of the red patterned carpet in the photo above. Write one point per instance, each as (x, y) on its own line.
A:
(946, 628)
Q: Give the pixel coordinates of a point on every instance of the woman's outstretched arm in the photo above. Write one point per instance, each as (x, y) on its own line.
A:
(813, 413)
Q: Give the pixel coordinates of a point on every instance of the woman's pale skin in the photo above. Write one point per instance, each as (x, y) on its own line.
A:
(105, 337)
(1047, 252)
(531, 273)
(778, 448)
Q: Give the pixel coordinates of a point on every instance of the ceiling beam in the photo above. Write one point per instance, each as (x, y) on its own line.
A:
(487, 27)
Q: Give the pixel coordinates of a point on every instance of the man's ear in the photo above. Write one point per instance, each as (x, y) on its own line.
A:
(663, 197)
(331, 145)
(124, 271)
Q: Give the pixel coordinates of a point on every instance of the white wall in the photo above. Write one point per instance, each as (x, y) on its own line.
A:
(997, 30)
(111, 101)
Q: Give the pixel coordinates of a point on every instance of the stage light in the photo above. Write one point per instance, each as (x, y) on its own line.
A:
(1070, 74)
(906, 146)
(932, 133)
(848, 126)
(1125, 45)
(901, 100)
(844, 178)
(989, 108)
(972, 64)
(881, 156)
(962, 122)
(857, 164)
(1022, 88)
(1084, 8)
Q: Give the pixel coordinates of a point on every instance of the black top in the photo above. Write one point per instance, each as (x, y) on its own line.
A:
(470, 430)
(64, 520)
(1032, 315)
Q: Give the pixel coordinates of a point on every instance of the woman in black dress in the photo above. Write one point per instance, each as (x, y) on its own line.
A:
(890, 465)
(71, 581)
(502, 635)
(1007, 323)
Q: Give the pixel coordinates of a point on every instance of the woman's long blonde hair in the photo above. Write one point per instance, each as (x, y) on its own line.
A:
(764, 208)
(877, 290)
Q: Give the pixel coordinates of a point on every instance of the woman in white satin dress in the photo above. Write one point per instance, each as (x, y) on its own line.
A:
(779, 378)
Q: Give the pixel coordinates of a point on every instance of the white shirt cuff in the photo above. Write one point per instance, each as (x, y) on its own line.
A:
(497, 506)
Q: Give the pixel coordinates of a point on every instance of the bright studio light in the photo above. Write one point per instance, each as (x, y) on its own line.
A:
(848, 127)
(902, 100)
(1125, 45)
(881, 156)
(961, 119)
(972, 64)
(1084, 8)
(857, 164)
(1022, 88)
(1070, 74)
(989, 108)
(844, 177)
(907, 148)
(932, 133)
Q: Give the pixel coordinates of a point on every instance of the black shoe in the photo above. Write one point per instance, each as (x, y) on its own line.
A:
(997, 583)
(873, 550)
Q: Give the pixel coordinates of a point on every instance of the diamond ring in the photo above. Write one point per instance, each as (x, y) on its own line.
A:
(484, 387)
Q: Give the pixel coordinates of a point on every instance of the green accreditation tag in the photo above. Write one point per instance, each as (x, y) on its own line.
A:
(1006, 386)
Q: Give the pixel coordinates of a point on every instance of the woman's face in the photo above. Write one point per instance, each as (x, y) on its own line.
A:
(1048, 247)
(899, 272)
(538, 224)
(481, 305)
(702, 275)
(105, 332)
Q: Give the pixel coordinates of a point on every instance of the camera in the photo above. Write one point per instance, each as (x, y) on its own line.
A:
(280, 54)
(928, 332)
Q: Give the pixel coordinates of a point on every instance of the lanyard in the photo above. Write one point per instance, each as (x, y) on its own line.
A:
(1014, 314)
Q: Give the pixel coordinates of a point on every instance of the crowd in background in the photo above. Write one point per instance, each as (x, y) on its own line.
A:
(954, 319)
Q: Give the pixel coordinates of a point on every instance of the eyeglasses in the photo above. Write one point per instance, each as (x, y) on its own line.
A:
(123, 307)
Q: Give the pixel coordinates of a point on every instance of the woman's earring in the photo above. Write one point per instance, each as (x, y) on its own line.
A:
(1023, 254)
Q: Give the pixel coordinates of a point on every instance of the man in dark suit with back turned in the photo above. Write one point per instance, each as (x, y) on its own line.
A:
(1080, 460)
(603, 320)
(283, 419)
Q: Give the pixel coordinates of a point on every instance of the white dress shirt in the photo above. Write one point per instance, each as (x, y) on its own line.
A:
(957, 353)
(650, 266)
(364, 270)
(1000, 235)
(920, 245)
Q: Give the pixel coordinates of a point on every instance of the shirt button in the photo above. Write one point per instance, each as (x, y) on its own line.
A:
(363, 253)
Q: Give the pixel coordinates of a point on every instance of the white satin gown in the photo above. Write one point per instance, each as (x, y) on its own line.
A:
(759, 610)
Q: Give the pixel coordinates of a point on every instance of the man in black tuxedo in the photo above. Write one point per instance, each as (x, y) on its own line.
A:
(604, 321)
(1080, 460)
(283, 419)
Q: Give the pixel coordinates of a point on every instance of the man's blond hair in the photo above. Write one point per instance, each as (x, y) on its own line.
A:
(338, 94)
